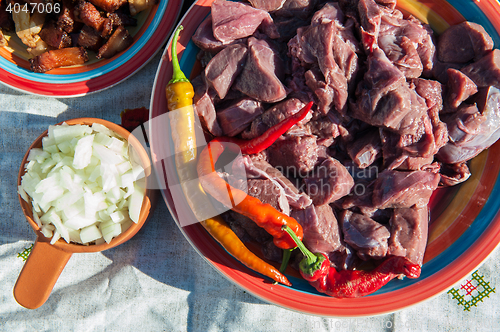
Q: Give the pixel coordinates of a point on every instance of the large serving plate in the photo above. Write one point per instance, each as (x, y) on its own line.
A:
(465, 225)
(152, 31)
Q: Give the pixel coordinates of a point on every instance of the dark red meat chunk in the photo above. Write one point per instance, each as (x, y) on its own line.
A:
(222, 70)
(459, 88)
(396, 189)
(234, 20)
(234, 118)
(463, 42)
(486, 71)
(259, 78)
(294, 156)
(409, 228)
(329, 181)
(365, 235)
(321, 229)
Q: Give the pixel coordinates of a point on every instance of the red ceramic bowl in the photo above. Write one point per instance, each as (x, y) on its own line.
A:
(153, 28)
(465, 225)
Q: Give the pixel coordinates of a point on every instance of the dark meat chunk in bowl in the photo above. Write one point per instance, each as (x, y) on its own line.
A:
(321, 229)
(66, 18)
(269, 193)
(431, 91)
(224, 67)
(89, 15)
(263, 170)
(409, 228)
(297, 8)
(234, 118)
(463, 42)
(294, 156)
(328, 182)
(364, 234)
(486, 71)
(119, 41)
(314, 45)
(204, 106)
(55, 36)
(459, 88)
(58, 58)
(234, 20)
(260, 77)
(398, 189)
(472, 128)
(383, 97)
(370, 16)
(453, 174)
(407, 43)
(90, 39)
(204, 37)
(273, 116)
(366, 148)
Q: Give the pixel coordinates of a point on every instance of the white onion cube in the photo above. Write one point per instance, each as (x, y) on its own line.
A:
(90, 233)
(83, 152)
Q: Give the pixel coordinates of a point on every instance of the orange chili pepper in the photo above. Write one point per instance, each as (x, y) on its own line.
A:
(228, 239)
(180, 94)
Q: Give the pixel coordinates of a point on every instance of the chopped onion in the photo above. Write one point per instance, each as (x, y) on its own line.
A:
(82, 184)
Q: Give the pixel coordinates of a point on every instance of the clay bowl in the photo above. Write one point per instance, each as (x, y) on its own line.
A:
(46, 261)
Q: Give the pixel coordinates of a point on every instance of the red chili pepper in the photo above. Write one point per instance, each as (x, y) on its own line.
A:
(267, 139)
(349, 283)
(264, 215)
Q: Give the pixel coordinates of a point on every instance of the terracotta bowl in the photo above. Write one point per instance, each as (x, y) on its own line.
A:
(46, 261)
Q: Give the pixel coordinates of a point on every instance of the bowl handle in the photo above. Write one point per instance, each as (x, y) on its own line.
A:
(39, 274)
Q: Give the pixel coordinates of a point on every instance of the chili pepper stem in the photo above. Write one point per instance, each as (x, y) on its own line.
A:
(178, 75)
(286, 258)
(311, 258)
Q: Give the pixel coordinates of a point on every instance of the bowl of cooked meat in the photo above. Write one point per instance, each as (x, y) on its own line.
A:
(68, 48)
(348, 147)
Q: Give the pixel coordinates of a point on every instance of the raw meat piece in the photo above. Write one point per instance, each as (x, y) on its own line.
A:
(383, 97)
(222, 70)
(204, 106)
(328, 182)
(273, 116)
(365, 149)
(365, 235)
(396, 189)
(204, 37)
(270, 193)
(463, 42)
(235, 118)
(486, 71)
(453, 174)
(321, 229)
(259, 78)
(459, 88)
(294, 156)
(409, 228)
(473, 128)
(235, 20)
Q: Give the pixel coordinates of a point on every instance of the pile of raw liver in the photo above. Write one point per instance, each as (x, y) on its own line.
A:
(398, 112)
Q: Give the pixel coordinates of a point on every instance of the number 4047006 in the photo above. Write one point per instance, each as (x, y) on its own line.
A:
(42, 8)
